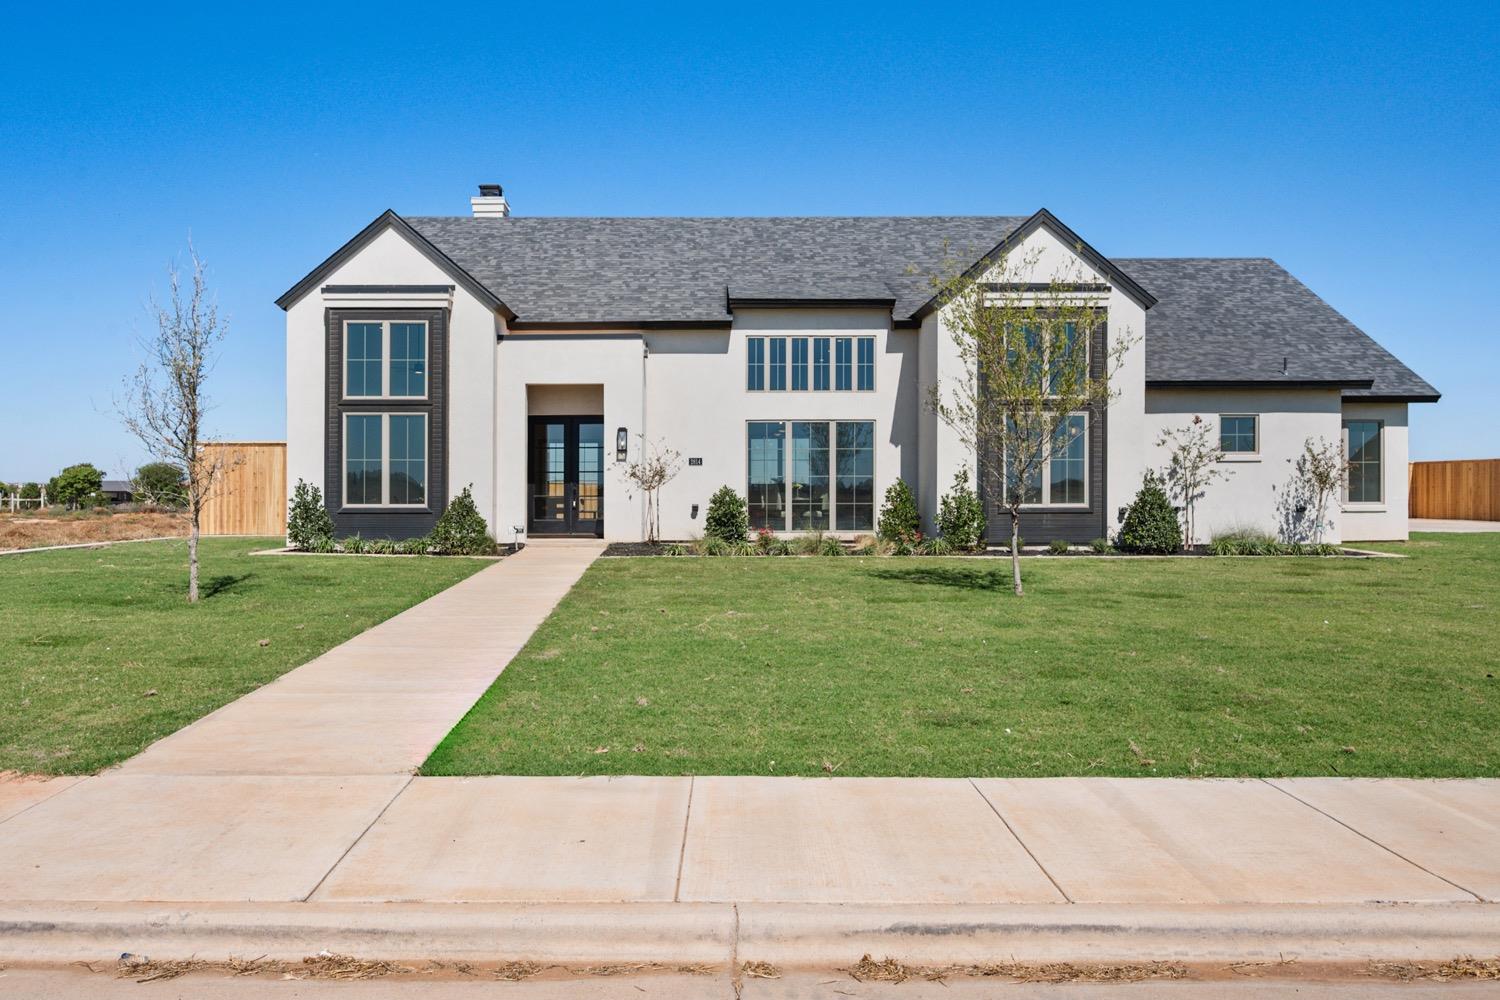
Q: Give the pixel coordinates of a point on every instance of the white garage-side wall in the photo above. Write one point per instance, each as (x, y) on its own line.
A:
(1388, 519)
(390, 260)
(697, 402)
(1041, 258)
(1247, 498)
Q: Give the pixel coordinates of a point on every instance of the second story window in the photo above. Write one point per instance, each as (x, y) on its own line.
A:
(820, 364)
(755, 363)
(799, 364)
(866, 369)
(817, 364)
(385, 360)
(778, 364)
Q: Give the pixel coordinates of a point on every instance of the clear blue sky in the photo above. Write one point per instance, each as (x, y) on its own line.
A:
(1357, 145)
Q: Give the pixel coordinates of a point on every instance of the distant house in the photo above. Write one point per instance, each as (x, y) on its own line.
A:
(790, 358)
(118, 490)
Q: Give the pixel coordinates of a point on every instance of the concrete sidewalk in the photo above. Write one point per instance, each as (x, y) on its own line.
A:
(1452, 526)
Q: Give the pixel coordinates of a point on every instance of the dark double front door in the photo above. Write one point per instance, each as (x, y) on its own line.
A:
(565, 472)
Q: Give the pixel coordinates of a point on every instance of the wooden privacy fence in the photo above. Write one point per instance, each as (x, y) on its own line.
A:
(251, 498)
(1467, 490)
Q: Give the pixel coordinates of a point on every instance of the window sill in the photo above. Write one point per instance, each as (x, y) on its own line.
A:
(1070, 507)
(377, 508)
(1365, 508)
(1239, 458)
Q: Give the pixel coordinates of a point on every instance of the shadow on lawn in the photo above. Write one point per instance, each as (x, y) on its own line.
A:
(948, 576)
(216, 585)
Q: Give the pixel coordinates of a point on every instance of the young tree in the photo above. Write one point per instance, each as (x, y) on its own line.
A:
(1192, 467)
(164, 403)
(1028, 369)
(75, 484)
(655, 466)
(1318, 474)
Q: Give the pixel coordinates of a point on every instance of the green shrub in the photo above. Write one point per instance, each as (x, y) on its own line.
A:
(383, 546)
(1058, 547)
(831, 547)
(961, 516)
(939, 546)
(1151, 526)
(712, 545)
(324, 545)
(413, 546)
(31, 491)
(307, 518)
(75, 484)
(461, 530)
(727, 519)
(739, 548)
(677, 549)
(1101, 546)
(354, 545)
(899, 520)
(160, 483)
(808, 545)
(768, 544)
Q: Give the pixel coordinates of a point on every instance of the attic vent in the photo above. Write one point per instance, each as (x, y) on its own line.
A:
(491, 203)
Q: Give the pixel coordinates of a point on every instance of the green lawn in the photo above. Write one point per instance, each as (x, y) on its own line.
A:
(1250, 666)
(102, 655)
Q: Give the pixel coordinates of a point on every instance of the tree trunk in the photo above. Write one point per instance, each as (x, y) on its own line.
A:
(193, 560)
(1015, 551)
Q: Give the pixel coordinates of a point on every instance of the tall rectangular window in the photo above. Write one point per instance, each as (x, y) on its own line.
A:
(1237, 434)
(767, 474)
(363, 454)
(866, 370)
(1066, 361)
(778, 364)
(408, 465)
(409, 359)
(1067, 466)
(809, 476)
(855, 479)
(363, 359)
(843, 368)
(755, 363)
(799, 364)
(1362, 446)
(820, 363)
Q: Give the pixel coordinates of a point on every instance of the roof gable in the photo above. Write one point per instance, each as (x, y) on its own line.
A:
(390, 220)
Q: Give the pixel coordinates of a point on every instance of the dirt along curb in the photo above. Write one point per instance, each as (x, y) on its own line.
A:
(785, 935)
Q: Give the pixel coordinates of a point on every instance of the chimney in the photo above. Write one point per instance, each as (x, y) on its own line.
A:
(491, 203)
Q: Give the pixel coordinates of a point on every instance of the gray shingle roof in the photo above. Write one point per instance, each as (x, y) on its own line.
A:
(1216, 319)
(581, 270)
(1235, 319)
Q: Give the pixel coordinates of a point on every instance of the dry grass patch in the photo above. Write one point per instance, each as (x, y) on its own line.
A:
(37, 531)
(1444, 972)
(891, 970)
(321, 966)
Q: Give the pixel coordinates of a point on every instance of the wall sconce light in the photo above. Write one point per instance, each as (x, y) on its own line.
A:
(694, 514)
(622, 445)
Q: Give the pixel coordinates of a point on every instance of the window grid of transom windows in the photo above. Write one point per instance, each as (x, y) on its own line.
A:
(385, 359)
(818, 364)
(1362, 445)
(811, 475)
(1239, 433)
(1061, 479)
(385, 459)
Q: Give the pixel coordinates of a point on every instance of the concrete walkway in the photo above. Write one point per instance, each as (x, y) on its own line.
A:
(1460, 527)
(380, 702)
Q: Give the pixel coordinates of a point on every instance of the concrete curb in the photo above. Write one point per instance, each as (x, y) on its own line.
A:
(788, 935)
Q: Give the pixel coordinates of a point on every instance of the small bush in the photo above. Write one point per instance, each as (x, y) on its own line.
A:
(727, 519)
(939, 546)
(831, 547)
(808, 545)
(307, 518)
(1151, 526)
(383, 547)
(899, 520)
(739, 548)
(31, 491)
(1058, 547)
(354, 545)
(1101, 546)
(677, 549)
(413, 546)
(324, 545)
(961, 515)
(712, 545)
(869, 545)
(461, 530)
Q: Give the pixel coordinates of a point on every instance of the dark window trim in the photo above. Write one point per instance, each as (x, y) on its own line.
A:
(396, 521)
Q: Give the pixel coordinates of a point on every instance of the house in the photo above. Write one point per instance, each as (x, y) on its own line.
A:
(118, 490)
(791, 359)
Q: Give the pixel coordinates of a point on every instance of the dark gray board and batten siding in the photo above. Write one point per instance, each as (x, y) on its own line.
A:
(402, 522)
(1040, 525)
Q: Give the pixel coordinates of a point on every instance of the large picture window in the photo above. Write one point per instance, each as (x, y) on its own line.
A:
(385, 360)
(1061, 478)
(385, 459)
(811, 475)
(1362, 446)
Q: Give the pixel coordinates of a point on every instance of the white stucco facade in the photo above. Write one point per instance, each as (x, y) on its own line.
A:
(685, 389)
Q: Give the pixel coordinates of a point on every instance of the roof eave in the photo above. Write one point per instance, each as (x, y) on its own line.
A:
(1044, 218)
(1259, 383)
(390, 220)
